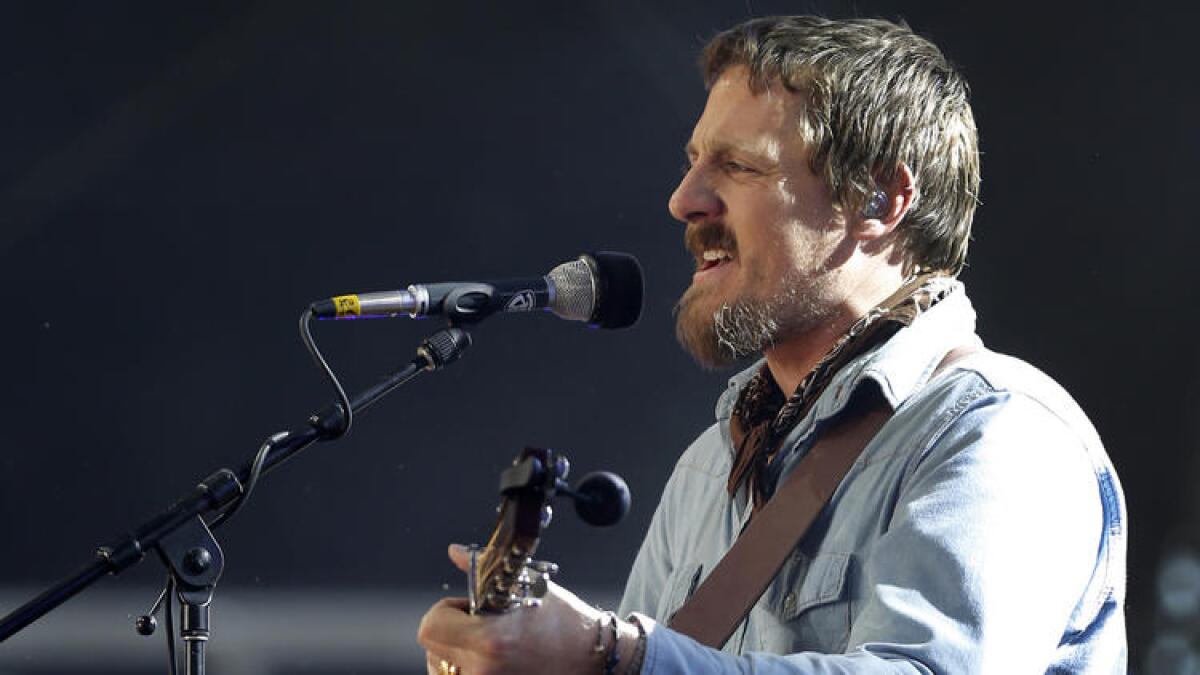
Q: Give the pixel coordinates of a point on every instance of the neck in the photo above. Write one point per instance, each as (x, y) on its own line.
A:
(791, 361)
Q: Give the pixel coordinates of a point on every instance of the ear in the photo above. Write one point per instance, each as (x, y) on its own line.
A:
(887, 208)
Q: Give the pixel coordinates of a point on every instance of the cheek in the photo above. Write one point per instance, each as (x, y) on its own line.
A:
(806, 201)
(785, 195)
(778, 229)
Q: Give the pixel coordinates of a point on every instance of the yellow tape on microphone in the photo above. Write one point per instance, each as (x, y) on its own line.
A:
(347, 306)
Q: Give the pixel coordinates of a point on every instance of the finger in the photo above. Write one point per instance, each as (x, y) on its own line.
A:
(443, 624)
(460, 555)
(433, 663)
(460, 604)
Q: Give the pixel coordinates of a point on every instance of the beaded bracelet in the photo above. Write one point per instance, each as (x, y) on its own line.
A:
(598, 648)
(639, 652)
(613, 658)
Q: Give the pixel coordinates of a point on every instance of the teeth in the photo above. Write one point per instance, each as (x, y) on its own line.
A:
(713, 255)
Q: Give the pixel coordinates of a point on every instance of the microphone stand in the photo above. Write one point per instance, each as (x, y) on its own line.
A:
(184, 540)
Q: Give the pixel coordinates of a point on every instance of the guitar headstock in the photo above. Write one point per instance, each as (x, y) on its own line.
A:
(500, 576)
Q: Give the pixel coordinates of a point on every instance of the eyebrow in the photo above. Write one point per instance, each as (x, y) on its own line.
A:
(723, 148)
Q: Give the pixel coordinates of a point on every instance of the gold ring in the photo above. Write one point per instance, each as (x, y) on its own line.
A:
(447, 668)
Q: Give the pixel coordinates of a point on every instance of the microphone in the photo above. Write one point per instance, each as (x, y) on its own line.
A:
(603, 288)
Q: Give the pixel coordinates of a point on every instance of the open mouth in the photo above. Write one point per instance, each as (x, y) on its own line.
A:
(713, 258)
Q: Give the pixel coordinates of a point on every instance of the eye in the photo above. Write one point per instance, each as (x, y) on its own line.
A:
(737, 167)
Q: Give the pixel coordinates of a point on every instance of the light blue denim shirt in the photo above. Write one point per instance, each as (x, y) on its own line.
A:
(981, 531)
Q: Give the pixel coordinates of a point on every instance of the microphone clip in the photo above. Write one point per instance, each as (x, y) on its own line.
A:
(471, 303)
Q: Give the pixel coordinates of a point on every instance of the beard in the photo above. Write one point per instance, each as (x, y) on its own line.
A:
(747, 325)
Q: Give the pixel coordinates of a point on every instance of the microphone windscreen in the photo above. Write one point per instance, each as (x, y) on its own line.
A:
(621, 286)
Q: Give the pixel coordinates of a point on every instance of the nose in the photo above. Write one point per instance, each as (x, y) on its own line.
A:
(694, 199)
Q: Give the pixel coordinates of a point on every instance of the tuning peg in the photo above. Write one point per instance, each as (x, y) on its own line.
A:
(529, 589)
(543, 567)
(543, 570)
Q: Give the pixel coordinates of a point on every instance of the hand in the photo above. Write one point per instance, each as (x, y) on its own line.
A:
(556, 637)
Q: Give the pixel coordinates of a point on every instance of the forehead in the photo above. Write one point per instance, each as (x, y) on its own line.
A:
(735, 117)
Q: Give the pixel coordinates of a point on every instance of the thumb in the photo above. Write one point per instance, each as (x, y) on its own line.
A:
(460, 555)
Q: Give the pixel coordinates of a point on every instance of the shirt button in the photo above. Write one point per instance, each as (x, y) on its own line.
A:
(789, 602)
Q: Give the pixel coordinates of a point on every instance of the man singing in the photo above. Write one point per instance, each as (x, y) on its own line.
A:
(832, 180)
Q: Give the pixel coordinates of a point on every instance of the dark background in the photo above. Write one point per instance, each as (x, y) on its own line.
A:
(178, 180)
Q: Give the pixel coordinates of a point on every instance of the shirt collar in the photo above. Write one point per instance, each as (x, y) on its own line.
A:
(900, 366)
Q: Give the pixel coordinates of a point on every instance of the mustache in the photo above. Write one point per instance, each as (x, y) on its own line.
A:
(700, 237)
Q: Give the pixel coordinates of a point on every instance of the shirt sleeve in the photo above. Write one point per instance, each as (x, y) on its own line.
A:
(989, 550)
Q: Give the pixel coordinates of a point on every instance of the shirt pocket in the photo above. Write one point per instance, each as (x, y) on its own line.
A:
(811, 605)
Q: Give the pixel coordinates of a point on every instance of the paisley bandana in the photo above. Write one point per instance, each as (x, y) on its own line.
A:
(762, 417)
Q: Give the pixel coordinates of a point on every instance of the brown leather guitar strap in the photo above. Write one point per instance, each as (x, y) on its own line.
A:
(725, 598)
